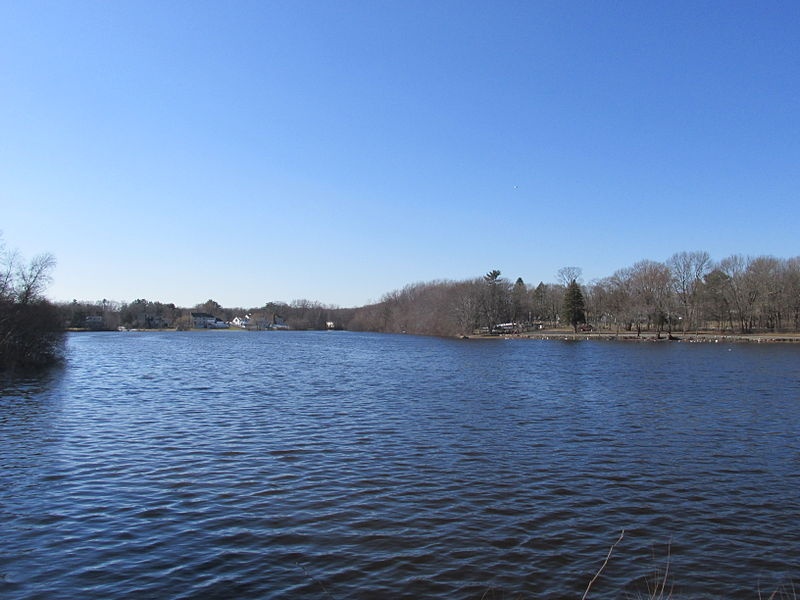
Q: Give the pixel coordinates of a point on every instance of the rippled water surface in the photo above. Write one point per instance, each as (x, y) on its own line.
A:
(343, 465)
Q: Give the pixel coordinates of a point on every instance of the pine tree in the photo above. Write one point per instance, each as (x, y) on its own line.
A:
(574, 309)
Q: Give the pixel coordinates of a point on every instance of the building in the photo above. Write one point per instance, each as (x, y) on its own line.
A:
(201, 320)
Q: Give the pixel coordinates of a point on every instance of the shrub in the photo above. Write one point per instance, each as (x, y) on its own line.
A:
(31, 334)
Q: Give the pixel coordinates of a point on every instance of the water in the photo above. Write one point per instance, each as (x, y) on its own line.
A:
(343, 465)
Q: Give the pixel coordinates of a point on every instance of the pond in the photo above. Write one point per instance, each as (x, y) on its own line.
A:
(349, 465)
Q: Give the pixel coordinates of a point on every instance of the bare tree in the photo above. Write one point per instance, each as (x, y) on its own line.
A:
(621, 305)
(31, 329)
(567, 275)
(467, 305)
(539, 302)
(546, 300)
(8, 270)
(598, 302)
(791, 291)
(764, 276)
(650, 287)
(688, 270)
(34, 278)
(741, 291)
(714, 304)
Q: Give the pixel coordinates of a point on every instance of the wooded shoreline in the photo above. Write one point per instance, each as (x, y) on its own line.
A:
(551, 335)
(735, 299)
(648, 337)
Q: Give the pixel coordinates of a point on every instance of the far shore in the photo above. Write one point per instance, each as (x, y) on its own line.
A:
(703, 337)
(648, 336)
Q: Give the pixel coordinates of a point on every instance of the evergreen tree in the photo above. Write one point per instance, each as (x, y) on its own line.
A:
(494, 298)
(574, 309)
(520, 306)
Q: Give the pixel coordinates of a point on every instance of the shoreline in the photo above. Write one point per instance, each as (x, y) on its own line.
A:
(647, 337)
(558, 335)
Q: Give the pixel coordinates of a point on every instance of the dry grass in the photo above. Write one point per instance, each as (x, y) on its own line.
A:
(662, 590)
(784, 592)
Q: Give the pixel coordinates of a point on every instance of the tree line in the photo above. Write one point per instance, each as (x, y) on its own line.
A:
(687, 292)
(153, 314)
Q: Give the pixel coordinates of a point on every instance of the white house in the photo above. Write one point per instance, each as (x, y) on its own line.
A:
(241, 321)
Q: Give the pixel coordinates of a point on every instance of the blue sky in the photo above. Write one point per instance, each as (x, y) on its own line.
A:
(335, 151)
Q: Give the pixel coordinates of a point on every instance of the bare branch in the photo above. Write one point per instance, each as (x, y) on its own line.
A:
(33, 279)
(603, 566)
(567, 275)
(8, 268)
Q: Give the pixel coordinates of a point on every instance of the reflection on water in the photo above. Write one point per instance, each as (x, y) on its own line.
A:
(29, 383)
(341, 465)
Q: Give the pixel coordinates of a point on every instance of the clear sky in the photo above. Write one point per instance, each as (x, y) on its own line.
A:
(335, 151)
